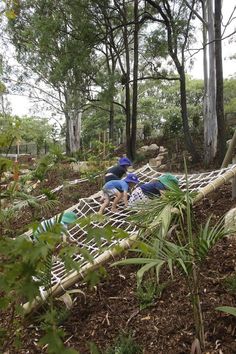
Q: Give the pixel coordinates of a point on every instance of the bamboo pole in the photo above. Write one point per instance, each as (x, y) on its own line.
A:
(234, 182)
(215, 184)
(72, 278)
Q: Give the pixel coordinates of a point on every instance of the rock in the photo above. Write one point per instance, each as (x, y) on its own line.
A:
(83, 166)
(153, 147)
(162, 149)
(163, 153)
(230, 221)
(144, 148)
(159, 157)
(154, 162)
(163, 167)
(25, 172)
(75, 166)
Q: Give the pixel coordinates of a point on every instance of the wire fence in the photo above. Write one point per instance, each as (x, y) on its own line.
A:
(28, 149)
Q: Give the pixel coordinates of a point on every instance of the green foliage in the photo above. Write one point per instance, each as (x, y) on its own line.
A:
(7, 216)
(140, 157)
(54, 335)
(186, 248)
(26, 266)
(124, 345)
(227, 309)
(146, 293)
(56, 152)
(229, 95)
(43, 167)
(100, 150)
(37, 130)
(5, 165)
(159, 108)
(48, 193)
(230, 284)
(147, 129)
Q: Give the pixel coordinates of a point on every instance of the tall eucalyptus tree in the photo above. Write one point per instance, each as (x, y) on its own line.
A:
(56, 39)
(176, 19)
(221, 147)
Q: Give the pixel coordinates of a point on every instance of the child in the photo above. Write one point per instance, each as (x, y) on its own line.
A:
(119, 189)
(118, 171)
(153, 188)
(67, 218)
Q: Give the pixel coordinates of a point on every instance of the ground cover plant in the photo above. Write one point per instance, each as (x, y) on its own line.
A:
(184, 250)
(26, 274)
(157, 318)
(124, 309)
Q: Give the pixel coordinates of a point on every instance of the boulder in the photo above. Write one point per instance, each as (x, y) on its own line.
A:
(25, 172)
(230, 221)
(159, 157)
(144, 148)
(154, 162)
(153, 147)
(75, 166)
(162, 149)
(163, 168)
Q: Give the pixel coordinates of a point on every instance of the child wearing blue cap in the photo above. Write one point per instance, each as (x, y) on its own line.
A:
(119, 189)
(153, 188)
(118, 171)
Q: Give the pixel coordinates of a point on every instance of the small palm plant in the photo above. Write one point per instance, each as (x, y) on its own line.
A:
(26, 266)
(167, 237)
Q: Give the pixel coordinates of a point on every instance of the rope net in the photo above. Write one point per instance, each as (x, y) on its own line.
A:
(199, 182)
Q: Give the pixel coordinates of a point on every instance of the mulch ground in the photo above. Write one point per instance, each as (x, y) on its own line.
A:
(166, 327)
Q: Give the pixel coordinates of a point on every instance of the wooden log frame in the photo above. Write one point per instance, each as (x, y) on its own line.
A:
(60, 288)
(230, 151)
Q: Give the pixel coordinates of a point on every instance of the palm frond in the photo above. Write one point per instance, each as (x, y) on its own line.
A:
(208, 236)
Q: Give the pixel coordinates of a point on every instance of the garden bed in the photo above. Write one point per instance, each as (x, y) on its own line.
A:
(166, 326)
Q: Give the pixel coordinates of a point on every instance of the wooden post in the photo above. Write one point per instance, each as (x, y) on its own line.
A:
(229, 153)
(234, 181)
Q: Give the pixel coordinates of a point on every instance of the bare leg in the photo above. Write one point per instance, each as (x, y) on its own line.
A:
(116, 201)
(104, 205)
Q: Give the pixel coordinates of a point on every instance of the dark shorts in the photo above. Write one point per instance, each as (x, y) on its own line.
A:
(110, 177)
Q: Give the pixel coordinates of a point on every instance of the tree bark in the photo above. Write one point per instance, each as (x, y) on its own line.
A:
(210, 126)
(221, 148)
(135, 84)
(73, 132)
(111, 122)
(205, 61)
(127, 85)
(184, 114)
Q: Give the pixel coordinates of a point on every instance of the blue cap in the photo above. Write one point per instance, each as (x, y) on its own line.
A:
(124, 161)
(131, 178)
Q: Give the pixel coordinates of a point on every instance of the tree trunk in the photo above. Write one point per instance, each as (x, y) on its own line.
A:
(135, 84)
(111, 66)
(111, 122)
(219, 84)
(205, 61)
(184, 114)
(210, 126)
(127, 86)
(73, 132)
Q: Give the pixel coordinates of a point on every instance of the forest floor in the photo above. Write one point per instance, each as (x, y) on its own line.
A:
(166, 327)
